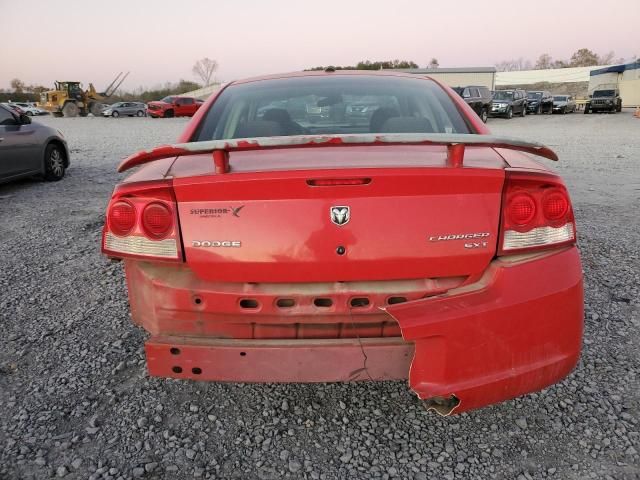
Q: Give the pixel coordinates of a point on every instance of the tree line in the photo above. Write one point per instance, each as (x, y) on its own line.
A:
(378, 65)
(581, 58)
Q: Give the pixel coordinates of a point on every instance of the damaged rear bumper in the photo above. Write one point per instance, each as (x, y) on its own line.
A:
(517, 330)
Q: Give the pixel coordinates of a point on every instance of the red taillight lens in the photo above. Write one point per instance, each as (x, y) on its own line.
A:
(142, 222)
(555, 205)
(521, 209)
(157, 220)
(536, 213)
(122, 218)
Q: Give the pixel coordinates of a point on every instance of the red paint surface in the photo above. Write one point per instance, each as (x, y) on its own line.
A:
(519, 333)
(170, 299)
(279, 360)
(287, 234)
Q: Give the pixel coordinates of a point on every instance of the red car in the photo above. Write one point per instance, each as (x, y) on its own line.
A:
(174, 107)
(270, 247)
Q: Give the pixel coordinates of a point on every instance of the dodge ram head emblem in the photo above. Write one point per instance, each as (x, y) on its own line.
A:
(340, 215)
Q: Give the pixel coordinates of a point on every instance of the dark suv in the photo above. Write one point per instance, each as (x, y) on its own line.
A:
(478, 98)
(506, 103)
(604, 100)
(539, 101)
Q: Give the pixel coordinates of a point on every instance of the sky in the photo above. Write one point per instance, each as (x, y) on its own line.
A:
(159, 40)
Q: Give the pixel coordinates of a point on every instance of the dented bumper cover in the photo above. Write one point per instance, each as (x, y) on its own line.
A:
(516, 330)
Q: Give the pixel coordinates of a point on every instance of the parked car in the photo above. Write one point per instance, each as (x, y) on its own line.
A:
(174, 107)
(14, 108)
(129, 109)
(564, 104)
(539, 101)
(507, 103)
(28, 149)
(478, 98)
(285, 257)
(604, 100)
(29, 108)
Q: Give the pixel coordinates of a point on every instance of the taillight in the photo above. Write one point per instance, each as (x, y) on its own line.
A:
(536, 213)
(157, 220)
(521, 208)
(122, 218)
(142, 222)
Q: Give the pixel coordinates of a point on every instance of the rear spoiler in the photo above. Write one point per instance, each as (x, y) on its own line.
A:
(220, 149)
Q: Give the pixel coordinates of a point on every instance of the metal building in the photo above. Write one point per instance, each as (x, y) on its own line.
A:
(625, 76)
(459, 77)
(553, 75)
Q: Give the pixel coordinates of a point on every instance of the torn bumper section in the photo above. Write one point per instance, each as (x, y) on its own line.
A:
(308, 360)
(517, 330)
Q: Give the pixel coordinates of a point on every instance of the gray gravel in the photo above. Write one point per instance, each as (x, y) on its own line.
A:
(75, 400)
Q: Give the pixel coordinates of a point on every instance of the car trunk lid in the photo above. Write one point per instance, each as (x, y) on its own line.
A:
(336, 214)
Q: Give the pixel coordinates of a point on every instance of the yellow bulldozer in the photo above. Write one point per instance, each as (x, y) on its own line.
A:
(68, 99)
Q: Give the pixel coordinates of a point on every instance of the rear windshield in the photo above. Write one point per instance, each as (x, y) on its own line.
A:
(603, 93)
(340, 104)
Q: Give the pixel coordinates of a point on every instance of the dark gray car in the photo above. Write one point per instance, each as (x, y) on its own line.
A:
(563, 104)
(125, 109)
(28, 149)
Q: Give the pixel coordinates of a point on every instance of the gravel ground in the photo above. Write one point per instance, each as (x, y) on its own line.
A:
(76, 402)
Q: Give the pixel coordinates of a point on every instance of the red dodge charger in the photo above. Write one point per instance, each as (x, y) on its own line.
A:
(339, 226)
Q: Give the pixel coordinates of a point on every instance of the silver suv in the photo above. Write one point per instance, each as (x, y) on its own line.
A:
(122, 109)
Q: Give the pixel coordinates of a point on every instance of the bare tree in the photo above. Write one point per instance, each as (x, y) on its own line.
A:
(607, 58)
(513, 65)
(433, 63)
(17, 85)
(544, 62)
(610, 58)
(204, 70)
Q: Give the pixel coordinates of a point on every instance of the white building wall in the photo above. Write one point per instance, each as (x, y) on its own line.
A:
(463, 79)
(203, 93)
(554, 75)
(630, 88)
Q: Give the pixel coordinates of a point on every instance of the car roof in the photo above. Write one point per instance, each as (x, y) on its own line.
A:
(323, 73)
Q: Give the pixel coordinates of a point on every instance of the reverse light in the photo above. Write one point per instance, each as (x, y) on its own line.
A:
(536, 213)
(142, 222)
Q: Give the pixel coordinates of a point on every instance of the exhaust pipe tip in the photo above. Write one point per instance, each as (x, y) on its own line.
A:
(443, 406)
